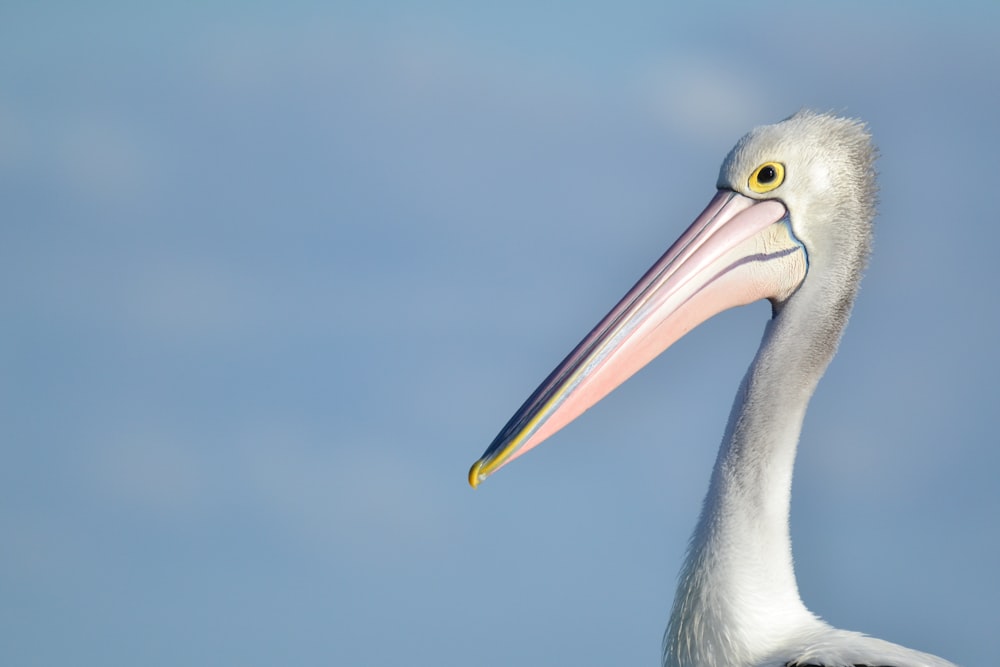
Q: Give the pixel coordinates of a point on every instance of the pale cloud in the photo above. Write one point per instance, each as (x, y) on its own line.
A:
(103, 160)
(695, 96)
(14, 136)
(152, 471)
(90, 156)
(186, 299)
(361, 497)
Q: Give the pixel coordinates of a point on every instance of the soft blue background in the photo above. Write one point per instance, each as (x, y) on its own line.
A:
(272, 275)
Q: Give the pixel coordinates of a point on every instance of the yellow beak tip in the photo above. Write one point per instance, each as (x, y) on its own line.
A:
(474, 476)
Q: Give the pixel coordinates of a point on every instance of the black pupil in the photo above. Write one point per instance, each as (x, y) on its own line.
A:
(766, 175)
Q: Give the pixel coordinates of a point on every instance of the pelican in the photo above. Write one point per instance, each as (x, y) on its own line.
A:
(792, 223)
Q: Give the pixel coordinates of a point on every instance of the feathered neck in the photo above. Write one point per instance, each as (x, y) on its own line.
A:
(737, 598)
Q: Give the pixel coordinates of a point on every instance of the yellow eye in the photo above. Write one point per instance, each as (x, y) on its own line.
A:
(767, 177)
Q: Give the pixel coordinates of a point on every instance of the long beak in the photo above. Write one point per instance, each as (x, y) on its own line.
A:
(737, 251)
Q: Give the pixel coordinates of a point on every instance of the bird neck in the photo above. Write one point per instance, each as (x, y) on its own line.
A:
(737, 596)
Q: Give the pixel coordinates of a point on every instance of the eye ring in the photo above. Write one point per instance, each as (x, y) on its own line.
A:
(767, 177)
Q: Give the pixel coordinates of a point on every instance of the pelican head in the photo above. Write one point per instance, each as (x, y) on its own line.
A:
(791, 222)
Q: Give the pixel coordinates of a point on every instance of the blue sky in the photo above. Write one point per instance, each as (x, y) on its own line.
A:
(274, 275)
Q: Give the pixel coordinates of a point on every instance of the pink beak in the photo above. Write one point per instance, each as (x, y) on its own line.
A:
(739, 250)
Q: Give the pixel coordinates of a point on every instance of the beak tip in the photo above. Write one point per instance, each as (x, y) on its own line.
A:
(475, 477)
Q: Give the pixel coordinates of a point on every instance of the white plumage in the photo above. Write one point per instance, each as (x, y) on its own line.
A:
(791, 223)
